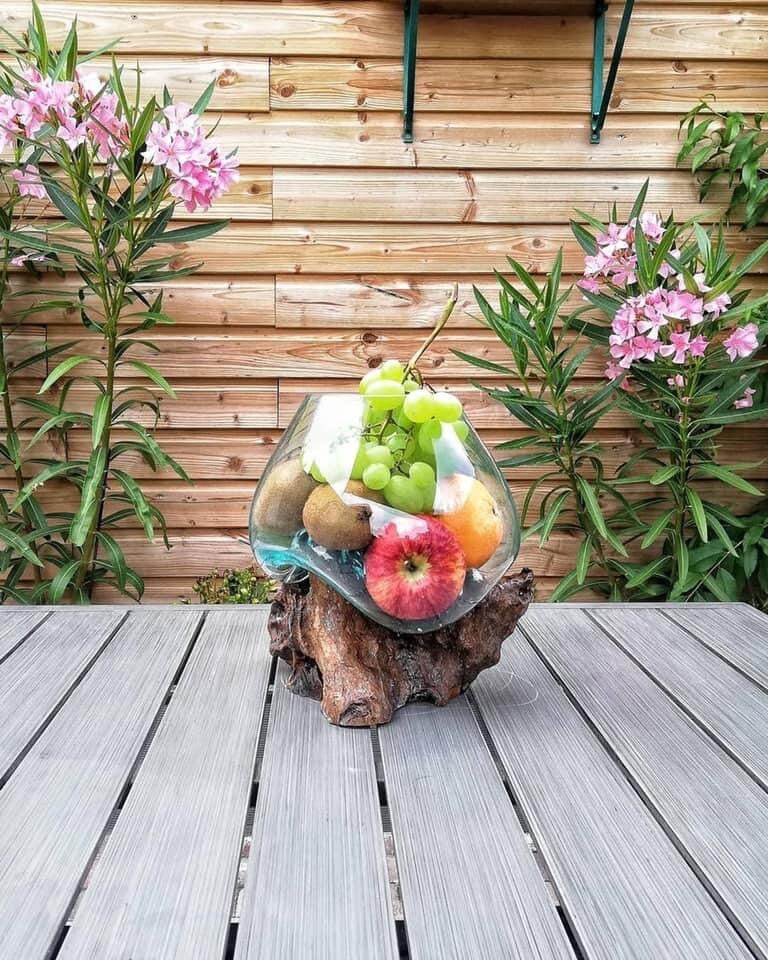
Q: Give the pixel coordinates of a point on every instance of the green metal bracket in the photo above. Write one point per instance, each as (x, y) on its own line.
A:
(601, 92)
(601, 95)
(411, 35)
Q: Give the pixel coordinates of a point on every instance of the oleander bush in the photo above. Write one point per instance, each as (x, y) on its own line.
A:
(90, 180)
(681, 340)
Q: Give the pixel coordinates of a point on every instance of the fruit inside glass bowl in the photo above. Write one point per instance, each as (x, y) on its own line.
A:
(389, 496)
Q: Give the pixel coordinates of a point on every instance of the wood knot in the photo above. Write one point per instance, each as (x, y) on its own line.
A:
(369, 337)
(538, 243)
(235, 463)
(679, 67)
(226, 78)
(286, 89)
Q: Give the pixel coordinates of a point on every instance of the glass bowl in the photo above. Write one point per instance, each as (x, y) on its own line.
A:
(411, 557)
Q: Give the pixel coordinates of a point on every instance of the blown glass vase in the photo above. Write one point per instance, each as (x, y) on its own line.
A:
(415, 543)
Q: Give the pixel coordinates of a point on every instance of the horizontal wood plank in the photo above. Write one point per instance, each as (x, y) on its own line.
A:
(15, 627)
(467, 140)
(361, 28)
(516, 86)
(220, 301)
(477, 196)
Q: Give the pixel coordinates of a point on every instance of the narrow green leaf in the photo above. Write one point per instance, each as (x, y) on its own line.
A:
(646, 572)
(592, 505)
(697, 512)
(89, 497)
(582, 560)
(63, 579)
(62, 369)
(15, 542)
(196, 232)
(729, 477)
(155, 376)
(666, 473)
(657, 528)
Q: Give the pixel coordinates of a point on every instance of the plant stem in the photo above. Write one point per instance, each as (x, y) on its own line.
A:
(10, 426)
(436, 331)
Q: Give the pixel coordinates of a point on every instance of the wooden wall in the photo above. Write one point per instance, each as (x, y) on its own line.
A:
(345, 241)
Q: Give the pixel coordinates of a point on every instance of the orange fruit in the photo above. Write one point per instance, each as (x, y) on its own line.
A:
(477, 524)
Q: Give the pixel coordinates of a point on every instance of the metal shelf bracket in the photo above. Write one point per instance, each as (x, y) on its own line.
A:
(601, 94)
(601, 91)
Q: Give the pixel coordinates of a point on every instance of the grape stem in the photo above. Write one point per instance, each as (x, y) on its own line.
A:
(436, 331)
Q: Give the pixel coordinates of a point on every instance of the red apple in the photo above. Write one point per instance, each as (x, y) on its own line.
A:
(417, 573)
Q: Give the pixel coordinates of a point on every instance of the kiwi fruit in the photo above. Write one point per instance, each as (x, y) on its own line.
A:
(337, 525)
(281, 499)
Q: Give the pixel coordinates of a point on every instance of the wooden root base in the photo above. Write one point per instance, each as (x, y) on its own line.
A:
(362, 672)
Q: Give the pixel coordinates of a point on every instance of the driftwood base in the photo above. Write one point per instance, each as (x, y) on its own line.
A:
(362, 672)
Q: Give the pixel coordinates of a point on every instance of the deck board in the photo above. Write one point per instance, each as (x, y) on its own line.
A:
(55, 807)
(470, 885)
(41, 672)
(164, 886)
(316, 884)
(589, 825)
(738, 634)
(15, 627)
(715, 812)
(729, 707)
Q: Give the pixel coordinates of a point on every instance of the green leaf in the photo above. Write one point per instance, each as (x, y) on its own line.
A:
(666, 473)
(99, 418)
(592, 505)
(62, 369)
(201, 104)
(15, 542)
(196, 232)
(155, 376)
(89, 497)
(646, 572)
(729, 477)
(697, 511)
(49, 473)
(566, 588)
(552, 515)
(63, 579)
(139, 502)
(657, 528)
(64, 202)
(116, 558)
(582, 560)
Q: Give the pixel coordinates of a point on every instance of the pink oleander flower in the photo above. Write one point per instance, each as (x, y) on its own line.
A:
(623, 323)
(746, 401)
(198, 172)
(21, 258)
(622, 272)
(651, 225)
(645, 348)
(72, 133)
(677, 348)
(697, 346)
(623, 352)
(615, 239)
(588, 284)
(742, 341)
(677, 381)
(666, 269)
(9, 126)
(613, 371)
(30, 184)
(684, 306)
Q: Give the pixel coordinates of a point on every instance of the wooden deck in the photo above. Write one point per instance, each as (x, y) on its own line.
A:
(601, 794)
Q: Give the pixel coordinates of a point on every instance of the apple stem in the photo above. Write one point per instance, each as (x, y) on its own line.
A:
(436, 331)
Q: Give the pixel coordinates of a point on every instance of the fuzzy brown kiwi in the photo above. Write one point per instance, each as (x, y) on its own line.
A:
(338, 525)
(282, 498)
